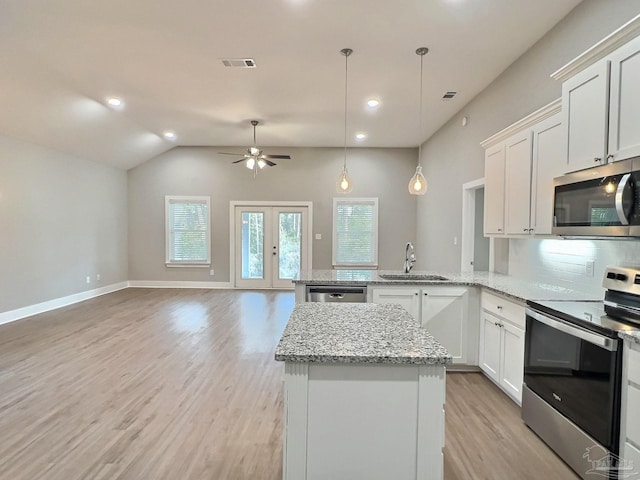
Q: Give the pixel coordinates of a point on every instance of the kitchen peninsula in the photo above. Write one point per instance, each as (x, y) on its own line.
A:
(364, 394)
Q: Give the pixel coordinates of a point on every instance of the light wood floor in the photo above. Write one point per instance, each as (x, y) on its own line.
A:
(147, 384)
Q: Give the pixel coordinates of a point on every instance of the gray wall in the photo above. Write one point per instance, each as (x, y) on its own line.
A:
(61, 219)
(453, 156)
(309, 176)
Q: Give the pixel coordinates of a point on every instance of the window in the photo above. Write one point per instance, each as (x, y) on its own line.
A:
(355, 232)
(188, 231)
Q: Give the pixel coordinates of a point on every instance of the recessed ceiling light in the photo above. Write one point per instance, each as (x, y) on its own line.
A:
(361, 136)
(115, 102)
(169, 135)
(373, 103)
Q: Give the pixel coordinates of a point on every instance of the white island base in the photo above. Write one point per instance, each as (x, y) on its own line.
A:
(363, 421)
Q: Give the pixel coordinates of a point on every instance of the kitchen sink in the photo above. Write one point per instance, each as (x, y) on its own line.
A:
(412, 276)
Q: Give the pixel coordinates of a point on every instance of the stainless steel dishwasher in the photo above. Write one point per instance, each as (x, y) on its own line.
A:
(337, 293)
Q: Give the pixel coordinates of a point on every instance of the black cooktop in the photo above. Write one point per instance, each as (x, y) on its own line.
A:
(587, 314)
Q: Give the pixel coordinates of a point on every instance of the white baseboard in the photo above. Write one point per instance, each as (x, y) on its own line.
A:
(17, 314)
(177, 284)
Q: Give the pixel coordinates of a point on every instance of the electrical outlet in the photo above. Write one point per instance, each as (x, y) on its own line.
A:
(212, 272)
(318, 236)
(589, 267)
(97, 277)
(455, 240)
(88, 279)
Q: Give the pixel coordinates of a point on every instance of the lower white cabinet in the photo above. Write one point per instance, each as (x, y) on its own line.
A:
(630, 411)
(443, 311)
(501, 351)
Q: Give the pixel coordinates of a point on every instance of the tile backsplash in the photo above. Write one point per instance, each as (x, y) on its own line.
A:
(569, 263)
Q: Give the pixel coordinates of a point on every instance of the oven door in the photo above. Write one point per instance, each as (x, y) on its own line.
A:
(577, 372)
(597, 201)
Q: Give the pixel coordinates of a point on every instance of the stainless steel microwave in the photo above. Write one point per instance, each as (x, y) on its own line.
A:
(602, 201)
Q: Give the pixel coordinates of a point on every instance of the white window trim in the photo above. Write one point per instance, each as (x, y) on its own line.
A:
(370, 200)
(196, 198)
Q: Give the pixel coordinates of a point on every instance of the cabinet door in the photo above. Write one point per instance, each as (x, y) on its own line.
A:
(546, 165)
(517, 183)
(444, 315)
(409, 298)
(494, 190)
(512, 361)
(585, 110)
(624, 102)
(490, 346)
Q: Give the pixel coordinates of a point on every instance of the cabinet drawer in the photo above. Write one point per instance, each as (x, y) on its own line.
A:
(504, 308)
(633, 366)
(633, 409)
(631, 455)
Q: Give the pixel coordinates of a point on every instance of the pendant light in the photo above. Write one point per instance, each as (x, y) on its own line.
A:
(344, 184)
(418, 184)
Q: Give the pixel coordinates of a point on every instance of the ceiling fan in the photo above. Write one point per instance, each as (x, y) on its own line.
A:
(254, 158)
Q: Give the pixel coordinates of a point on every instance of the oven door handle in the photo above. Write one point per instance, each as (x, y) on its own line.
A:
(607, 343)
(622, 215)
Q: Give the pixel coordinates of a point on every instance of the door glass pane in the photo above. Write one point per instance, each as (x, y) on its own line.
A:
(252, 245)
(290, 248)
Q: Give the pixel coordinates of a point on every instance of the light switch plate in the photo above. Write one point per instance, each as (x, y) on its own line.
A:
(589, 267)
(318, 236)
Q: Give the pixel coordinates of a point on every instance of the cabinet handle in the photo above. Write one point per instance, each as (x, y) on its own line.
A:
(597, 159)
(416, 293)
(425, 294)
(496, 324)
(525, 229)
(610, 157)
(499, 229)
(530, 230)
(499, 307)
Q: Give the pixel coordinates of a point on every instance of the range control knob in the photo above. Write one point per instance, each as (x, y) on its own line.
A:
(611, 275)
(621, 276)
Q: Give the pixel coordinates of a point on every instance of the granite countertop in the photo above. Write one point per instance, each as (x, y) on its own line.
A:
(515, 288)
(357, 333)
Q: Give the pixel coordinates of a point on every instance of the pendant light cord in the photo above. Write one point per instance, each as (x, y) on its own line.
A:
(420, 109)
(346, 52)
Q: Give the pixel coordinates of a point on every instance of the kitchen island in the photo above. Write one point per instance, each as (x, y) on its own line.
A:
(364, 394)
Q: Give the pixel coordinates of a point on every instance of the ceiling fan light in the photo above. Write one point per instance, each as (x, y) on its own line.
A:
(254, 151)
(344, 184)
(418, 184)
(261, 163)
(251, 162)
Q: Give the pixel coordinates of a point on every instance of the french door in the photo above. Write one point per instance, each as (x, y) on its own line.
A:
(270, 245)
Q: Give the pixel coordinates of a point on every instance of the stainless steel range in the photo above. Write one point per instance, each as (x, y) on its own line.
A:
(573, 366)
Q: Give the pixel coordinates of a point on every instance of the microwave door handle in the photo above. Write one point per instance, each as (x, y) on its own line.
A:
(619, 194)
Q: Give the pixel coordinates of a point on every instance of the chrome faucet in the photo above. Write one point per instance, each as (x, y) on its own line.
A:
(409, 259)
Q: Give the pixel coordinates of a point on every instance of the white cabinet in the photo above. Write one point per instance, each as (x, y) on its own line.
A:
(443, 311)
(624, 102)
(520, 165)
(601, 106)
(585, 110)
(630, 405)
(548, 144)
(502, 343)
(494, 190)
(408, 297)
(444, 315)
(517, 199)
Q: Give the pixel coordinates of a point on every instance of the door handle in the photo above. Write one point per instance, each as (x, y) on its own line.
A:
(619, 193)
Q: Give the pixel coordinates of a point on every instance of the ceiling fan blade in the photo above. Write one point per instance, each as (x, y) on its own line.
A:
(229, 153)
(241, 160)
(288, 157)
(270, 163)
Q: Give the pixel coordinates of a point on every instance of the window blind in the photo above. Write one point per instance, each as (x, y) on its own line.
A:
(188, 230)
(355, 232)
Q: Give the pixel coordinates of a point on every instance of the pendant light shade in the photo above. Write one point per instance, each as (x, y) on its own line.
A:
(344, 184)
(418, 184)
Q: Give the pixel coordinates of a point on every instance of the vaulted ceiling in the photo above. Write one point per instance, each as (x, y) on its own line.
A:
(61, 60)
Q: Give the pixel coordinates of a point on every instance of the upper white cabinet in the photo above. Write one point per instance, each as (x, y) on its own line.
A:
(624, 102)
(517, 198)
(601, 100)
(494, 190)
(548, 144)
(520, 164)
(585, 107)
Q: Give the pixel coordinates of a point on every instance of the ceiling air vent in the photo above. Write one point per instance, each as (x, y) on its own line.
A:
(239, 62)
(448, 95)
